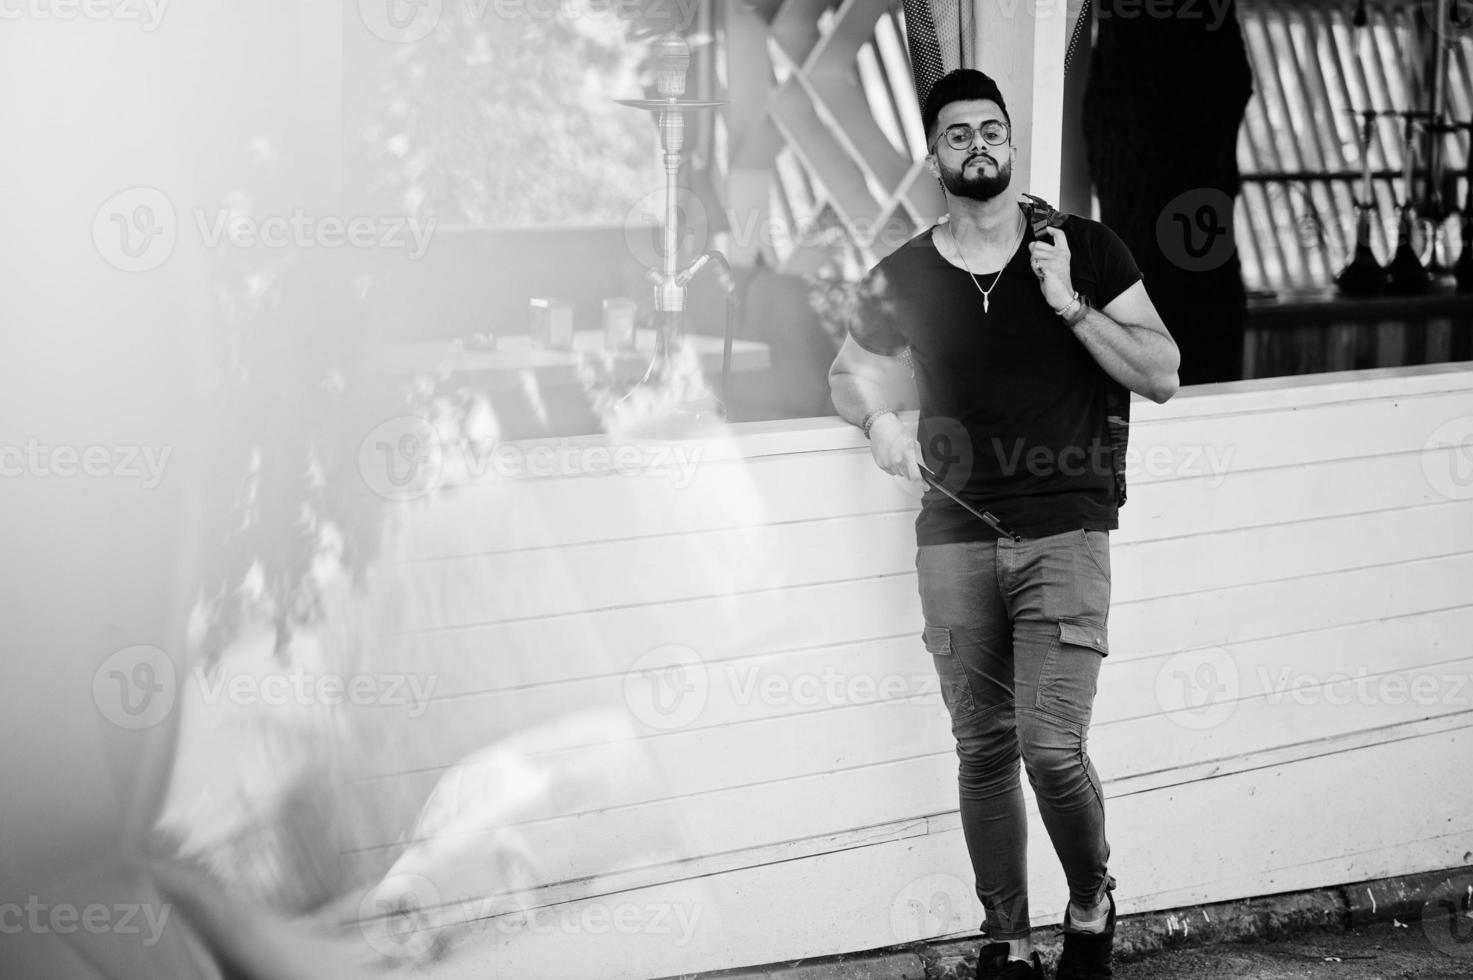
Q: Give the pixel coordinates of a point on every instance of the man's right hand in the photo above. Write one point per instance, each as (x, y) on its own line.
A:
(894, 448)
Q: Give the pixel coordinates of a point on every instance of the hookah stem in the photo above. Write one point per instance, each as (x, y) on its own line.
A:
(1406, 271)
(671, 125)
(1363, 221)
(1437, 106)
(1409, 151)
(671, 294)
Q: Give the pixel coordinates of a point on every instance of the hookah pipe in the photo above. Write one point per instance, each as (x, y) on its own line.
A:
(1463, 267)
(1432, 206)
(671, 58)
(1405, 274)
(1364, 275)
(1440, 188)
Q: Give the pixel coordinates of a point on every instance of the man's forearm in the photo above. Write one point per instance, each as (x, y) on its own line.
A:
(855, 397)
(1140, 358)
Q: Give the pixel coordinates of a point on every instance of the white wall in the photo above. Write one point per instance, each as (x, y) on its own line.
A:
(1278, 533)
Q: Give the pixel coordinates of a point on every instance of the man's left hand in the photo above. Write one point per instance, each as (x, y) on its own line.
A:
(1050, 261)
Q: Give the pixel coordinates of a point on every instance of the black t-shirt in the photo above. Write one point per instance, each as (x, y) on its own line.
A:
(1013, 414)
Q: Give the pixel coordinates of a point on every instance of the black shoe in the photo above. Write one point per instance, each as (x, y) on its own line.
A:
(993, 964)
(1086, 955)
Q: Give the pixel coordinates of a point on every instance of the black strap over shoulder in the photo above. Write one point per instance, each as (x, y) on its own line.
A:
(1041, 214)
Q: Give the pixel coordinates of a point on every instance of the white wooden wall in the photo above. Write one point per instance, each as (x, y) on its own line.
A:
(1337, 539)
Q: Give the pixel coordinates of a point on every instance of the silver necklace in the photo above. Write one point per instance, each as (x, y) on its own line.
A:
(986, 293)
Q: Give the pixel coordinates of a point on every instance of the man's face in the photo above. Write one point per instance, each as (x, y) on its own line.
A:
(979, 171)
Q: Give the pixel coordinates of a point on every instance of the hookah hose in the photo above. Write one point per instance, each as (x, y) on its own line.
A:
(728, 287)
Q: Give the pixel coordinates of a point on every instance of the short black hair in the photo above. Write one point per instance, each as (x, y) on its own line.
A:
(961, 85)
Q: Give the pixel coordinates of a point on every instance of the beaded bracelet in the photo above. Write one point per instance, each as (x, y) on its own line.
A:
(1077, 310)
(869, 420)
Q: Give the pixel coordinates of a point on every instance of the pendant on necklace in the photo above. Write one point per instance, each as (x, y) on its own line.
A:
(984, 302)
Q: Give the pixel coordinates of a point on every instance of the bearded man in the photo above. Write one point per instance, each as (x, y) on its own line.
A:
(1023, 347)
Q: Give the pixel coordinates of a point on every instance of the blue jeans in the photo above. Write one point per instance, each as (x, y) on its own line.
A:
(1017, 631)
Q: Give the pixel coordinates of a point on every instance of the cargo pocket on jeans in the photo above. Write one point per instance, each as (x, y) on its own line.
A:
(1071, 671)
(955, 692)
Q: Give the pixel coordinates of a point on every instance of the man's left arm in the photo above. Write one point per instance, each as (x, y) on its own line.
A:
(1131, 343)
(1127, 338)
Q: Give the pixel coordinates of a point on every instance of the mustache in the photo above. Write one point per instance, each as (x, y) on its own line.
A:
(980, 156)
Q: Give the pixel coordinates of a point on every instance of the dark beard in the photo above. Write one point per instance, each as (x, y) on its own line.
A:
(982, 187)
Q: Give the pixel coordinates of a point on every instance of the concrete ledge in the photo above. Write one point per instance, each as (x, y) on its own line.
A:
(1138, 936)
(1335, 909)
(909, 963)
(1399, 898)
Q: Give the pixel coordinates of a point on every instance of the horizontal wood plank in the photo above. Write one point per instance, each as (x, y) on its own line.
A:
(478, 590)
(1292, 687)
(689, 813)
(913, 888)
(609, 642)
(684, 488)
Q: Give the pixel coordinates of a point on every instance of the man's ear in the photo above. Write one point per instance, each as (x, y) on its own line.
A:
(932, 166)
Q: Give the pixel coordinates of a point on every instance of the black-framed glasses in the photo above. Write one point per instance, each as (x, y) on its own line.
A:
(959, 137)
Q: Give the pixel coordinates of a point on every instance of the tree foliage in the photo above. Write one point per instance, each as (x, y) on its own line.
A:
(507, 121)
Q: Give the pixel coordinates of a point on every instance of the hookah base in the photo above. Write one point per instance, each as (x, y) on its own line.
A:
(674, 421)
(1463, 271)
(1364, 276)
(1406, 276)
(672, 400)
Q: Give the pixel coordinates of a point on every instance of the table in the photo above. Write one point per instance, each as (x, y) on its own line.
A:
(536, 391)
(516, 360)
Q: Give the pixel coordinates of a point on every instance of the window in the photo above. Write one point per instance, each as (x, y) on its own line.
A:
(1299, 149)
(504, 121)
